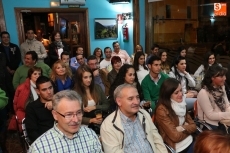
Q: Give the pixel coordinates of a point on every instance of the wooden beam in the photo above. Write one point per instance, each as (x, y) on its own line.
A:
(136, 23)
(2, 18)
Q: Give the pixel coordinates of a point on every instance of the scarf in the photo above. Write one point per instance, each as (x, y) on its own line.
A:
(32, 89)
(179, 109)
(58, 44)
(216, 97)
(67, 84)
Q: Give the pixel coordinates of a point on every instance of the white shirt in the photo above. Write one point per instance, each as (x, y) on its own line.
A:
(141, 73)
(106, 65)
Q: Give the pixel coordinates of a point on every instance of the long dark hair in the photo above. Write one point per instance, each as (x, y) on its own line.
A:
(120, 79)
(80, 88)
(179, 50)
(206, 59)
(166, 90)
(164, 65)
(213, 71)
(176, 62)
(136, 61)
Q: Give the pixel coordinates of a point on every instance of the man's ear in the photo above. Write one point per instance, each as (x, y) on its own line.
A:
(54, 115)
(37, 91)
(149, 66)
(118, 101)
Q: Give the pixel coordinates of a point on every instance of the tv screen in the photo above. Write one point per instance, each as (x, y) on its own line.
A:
(79, 2)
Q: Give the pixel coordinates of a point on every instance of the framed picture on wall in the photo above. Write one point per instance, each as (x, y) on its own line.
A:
(77, 2)
(105, 28)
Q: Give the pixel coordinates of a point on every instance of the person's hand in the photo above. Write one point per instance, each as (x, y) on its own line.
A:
(185, 73)
(49, 105)
(95, 120)
(190, 95)
(179, 128)
(96, 73)
(89, 108)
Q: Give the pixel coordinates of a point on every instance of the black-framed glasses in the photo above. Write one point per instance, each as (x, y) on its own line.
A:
(71, 115)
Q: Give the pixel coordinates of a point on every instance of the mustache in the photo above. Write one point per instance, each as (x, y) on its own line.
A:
(74, 123)
(135, 105)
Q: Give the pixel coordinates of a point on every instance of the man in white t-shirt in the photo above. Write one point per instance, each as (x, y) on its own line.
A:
(105, 64)
(125, 58)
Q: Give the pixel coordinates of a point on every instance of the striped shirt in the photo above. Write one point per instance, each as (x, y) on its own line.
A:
(135, 140)
(54, 141)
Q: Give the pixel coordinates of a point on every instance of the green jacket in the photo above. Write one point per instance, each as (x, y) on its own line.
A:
(3, 99)
(151, 90)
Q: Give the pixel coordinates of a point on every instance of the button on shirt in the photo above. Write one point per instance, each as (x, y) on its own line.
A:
(135, 140)
(54, 141)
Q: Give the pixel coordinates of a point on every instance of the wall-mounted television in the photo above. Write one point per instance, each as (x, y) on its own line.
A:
(72, 2)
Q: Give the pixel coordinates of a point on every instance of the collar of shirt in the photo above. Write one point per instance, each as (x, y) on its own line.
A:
(155, 81)
(60, 134)
(125, 119)
(182, 74)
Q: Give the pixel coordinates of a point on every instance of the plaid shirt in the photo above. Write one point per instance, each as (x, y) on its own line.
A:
(135, 140)
(54, 141)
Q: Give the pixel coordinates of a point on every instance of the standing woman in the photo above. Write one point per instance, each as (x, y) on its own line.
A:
(61, 76)
(179, 72)
(213, 105)
(116, 65)
(98, 53)
(209, 60)
(165, 68)
(25, 93)
(126, 74)
(174, 123)
(56, 47)
(139, 66)
(93, 96)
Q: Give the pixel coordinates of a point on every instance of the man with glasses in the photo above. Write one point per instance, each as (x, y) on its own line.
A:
(125, 58)
(93, 64)
(31, 44)
(67, 134)
(39, 118)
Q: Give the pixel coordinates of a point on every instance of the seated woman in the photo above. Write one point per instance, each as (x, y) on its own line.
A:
(138, 48)
(209, 60)
(25, 93)
(213, 104)
(128, 75)
(93, 96)
(61, 76)
(165, 68)
(116, 65)
(179, 72)
(139, 66)
(171, 118)
(98, 53)
(181, 51)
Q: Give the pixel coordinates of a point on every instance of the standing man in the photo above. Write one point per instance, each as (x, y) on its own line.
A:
(30, 59)
(12, 53)
(129, 128)
(105, 64)
(121, 53)
(31, 44)
(39, 118)
(152, 82)
(93, 64)
(67, 134)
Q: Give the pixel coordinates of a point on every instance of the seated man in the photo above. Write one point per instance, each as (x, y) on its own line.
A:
(67, 135)
(152, 82)
(30, 60)
(65, 57)
(94, 66)
(105, 64)
(129, 128)
(73, 61)
(39, 118)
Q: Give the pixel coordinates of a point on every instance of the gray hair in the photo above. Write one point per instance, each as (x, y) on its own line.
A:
(117, 91)
(68, 94)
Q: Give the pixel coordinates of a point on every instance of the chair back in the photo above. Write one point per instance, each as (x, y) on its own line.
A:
(25, 135)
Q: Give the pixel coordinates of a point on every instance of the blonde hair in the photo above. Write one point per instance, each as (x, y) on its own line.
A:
(53, 75)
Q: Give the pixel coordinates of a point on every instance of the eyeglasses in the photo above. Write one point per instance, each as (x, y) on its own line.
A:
(69, 116)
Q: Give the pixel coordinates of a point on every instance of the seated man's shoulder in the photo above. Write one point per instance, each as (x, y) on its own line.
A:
(108, 120)
(164, 76)
(146, 78)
